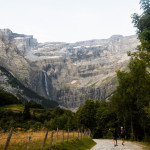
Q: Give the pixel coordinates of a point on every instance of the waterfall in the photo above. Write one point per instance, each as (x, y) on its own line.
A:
(46, 87)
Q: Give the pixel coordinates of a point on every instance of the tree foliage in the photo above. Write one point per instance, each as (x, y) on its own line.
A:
(8, 98)
(133, 92)
(86, 115)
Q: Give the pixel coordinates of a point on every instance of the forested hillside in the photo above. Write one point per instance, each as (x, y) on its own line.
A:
(30, 115)
(11, 84)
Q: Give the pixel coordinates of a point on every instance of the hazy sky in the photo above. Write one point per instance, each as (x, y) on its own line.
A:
(68, 20)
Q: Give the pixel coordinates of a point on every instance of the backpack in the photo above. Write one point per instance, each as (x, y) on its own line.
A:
(122, 132)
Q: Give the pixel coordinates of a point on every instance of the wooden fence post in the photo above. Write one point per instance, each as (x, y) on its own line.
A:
(84, 132)
(78, 133)
(45, 139)
(73, 133)
(28, 142)
(63, 136)
(89, 132)
(81, 133)
(57, 136)
(8, 139)
(51, 140)
(68, 135)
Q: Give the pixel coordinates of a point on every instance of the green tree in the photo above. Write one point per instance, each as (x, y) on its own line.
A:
(26, 112)
(145, 5)
(105, 118)
(142, 23)
(133, 92)
(131, 96)
(86, 115)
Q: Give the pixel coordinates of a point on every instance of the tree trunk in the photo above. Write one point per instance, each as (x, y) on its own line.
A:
(132, 129)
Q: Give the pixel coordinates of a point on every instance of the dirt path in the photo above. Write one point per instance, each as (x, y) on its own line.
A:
(109, 145)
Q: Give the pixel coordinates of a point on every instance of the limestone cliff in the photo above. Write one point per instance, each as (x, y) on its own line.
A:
(11, 58)
(82, 70)
(64, 72)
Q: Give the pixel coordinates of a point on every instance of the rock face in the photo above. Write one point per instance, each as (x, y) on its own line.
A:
(23, 42)
(11, 58)
(82, 70)
(64, 72)
(10, 84)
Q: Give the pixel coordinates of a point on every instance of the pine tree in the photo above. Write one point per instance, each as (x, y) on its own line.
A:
(26, 112)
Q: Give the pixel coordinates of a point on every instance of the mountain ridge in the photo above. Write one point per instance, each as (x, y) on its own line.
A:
(69, 73)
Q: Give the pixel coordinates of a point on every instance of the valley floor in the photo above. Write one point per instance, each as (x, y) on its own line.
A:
(109, 145)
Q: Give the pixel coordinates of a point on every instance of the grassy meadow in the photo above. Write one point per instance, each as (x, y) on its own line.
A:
(19, 140)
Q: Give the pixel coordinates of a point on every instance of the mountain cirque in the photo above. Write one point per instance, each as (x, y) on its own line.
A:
(68, 73)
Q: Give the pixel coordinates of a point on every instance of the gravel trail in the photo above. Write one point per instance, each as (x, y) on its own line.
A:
(109, 145)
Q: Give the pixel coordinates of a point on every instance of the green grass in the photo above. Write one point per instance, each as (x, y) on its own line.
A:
(94, 84)
(145, 144)
(75, 144)
(17, 108)
(14, 107)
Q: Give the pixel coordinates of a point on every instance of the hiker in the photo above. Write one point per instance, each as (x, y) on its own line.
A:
(122, 135)
(115, 135)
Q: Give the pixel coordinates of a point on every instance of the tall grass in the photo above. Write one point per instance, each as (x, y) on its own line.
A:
(19, 140)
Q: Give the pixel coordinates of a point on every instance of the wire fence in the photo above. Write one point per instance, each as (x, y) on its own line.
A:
(19, 140)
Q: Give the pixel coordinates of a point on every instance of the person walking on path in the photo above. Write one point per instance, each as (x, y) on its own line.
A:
(115, 135)
(122, 135)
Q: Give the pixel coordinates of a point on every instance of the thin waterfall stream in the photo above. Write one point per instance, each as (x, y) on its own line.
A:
(46, 86)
